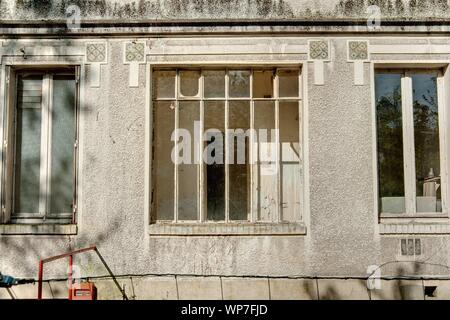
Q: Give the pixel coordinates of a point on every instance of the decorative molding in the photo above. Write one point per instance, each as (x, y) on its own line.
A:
(38, 229)
(414, 228)
(358, 50)
(134, 54)
(96, 55)
(318, 53)
(249, 229)
(358, 53)
(319, 50)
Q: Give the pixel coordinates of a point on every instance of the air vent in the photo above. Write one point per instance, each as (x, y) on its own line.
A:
(411, 247)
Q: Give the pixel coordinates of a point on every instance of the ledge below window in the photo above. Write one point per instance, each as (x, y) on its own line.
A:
(218, 229)
(414, 228)
(38, 229)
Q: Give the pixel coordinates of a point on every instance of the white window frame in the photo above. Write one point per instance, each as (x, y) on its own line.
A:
(43, 215)
(250, 226)
(408, 139)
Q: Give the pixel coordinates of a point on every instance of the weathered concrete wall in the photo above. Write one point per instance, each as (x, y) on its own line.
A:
(224, 9)
(218, 288)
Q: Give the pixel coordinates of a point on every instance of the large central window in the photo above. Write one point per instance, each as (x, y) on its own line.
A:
(227, 145)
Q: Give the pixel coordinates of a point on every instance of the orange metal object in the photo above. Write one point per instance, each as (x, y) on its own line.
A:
(83, 291)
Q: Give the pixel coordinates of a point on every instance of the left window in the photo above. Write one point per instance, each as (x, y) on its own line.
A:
(41, 150)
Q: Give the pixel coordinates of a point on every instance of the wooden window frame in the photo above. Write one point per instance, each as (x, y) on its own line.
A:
(408, 142)
(43, 215)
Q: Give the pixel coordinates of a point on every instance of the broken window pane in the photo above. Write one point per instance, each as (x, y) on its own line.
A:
(163, 166)
(62, 144)
(189, 117)
(266, 167)
(28, 145)
(290, 161)
(164, 84)
(390, 142)
(426, 143)
(239, 167)
(189, 83)
(214, 82)
(239, 83)
(263, 84)
(288, 83)
(214, 159)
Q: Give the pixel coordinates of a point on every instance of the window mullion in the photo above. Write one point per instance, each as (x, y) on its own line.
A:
(253, 158)
(442, 115)
(44, 162)
(277, 217)
(408, 144)
(175, 198)
(201, 186)
(227, 151)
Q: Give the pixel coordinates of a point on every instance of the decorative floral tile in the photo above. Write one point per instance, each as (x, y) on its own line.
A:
(358, 50)
(318, 50)
(96, 52)
(135, 52)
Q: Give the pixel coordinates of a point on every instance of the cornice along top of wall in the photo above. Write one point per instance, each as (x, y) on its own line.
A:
(222, 10)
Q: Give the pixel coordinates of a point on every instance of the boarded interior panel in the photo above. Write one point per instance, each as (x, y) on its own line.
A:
(163, 166)
(189, 112)
(27, 146)
(239, 167)
(62, 144)
(290, 161)
(266, 167)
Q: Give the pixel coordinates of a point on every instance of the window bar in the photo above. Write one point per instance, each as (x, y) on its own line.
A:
(408, 143)
(49, 146)
(44, 144)
(175, 197)
(299, 214)
(278, 210)
(201, 188)
(253, 157)
(226, 157)
(75, 144)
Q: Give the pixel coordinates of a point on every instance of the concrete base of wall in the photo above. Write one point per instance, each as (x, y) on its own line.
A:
(225, 288)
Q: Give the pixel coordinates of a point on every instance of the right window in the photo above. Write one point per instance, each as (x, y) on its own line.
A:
(409, 118)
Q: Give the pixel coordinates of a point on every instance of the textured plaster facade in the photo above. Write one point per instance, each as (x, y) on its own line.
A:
(342, 235)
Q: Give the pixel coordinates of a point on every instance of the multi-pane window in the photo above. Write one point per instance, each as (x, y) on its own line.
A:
(409, 136)
(227, 145)
(42, 152)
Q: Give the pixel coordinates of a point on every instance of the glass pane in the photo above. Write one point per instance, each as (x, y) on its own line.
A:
(263, 84)
(288, 83)
(189, 81)
(266, 168)
(426, 143)
(164, 84)
(239, 163)
(239, 83)
(163, 166)
(390, 142)
(214, 159)
(290, 161)
(28, 147)
(62, 142)
(189, 117)
(214, 84)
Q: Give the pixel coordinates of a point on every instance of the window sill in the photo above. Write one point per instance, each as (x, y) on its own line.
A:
(38, 229)
(229, 229)
(415, 226)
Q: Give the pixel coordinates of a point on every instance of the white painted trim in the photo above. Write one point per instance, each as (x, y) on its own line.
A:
(148, 145)
(374, 147)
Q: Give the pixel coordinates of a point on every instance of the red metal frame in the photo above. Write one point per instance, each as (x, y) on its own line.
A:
(61, 256)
